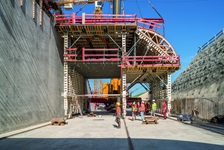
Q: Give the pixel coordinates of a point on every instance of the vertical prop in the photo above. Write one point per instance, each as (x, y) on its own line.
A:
(123, 76)
(41, 6)
(21, 3)
(135, 49)
(34, 9)
(117, 7)
(65, 77)
(169, 93)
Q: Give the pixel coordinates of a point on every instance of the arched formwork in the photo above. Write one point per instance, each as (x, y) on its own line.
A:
(102, 47)
(152, 64)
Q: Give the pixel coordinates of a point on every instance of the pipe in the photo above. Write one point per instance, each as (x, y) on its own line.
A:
(116, 7)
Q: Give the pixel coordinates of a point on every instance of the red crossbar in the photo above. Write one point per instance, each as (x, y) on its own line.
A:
(152, 65)
(93, 60)
(150, 61)
(102, 49)
(71, 19)
(95, 55)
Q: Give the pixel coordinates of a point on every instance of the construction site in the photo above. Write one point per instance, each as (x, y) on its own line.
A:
(54, 60)
(116, 46)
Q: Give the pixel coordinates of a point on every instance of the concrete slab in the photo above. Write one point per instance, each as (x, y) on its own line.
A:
(98, 133)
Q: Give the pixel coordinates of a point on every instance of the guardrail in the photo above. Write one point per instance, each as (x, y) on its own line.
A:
(212, 40)
(150, 61)
(94, 19)
(92, 55)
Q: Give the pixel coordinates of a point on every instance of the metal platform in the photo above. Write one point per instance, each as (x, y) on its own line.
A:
(146, 50)
(117, 46)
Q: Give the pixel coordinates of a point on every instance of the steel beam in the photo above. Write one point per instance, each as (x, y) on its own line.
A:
(123, 77)
(65, 77)
(41, 11)
(169, 93)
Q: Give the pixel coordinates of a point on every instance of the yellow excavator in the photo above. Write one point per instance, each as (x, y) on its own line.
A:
(68, 4)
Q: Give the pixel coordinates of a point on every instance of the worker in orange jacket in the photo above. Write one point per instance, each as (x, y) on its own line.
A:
(142, 110)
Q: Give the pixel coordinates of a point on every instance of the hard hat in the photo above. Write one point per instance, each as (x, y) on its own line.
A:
(153, 100)
(118, 104)
(133, 102)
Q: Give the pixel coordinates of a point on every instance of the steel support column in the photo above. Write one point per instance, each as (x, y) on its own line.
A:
(123, 77)
(21, 3)
(152, 90)
(134, 49)
(41, 11)
(169, 93)
(33, 5)
(66, 78)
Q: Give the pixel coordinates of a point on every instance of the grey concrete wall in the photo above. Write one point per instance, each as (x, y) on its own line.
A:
(200, 88)
(31, 67)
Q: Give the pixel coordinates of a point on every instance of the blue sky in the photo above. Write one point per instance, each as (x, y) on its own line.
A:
(188, 23)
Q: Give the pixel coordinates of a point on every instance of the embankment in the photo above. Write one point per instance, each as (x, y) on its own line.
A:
(200, 88)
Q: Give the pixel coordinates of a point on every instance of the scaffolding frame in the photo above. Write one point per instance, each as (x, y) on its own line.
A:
(105, 39)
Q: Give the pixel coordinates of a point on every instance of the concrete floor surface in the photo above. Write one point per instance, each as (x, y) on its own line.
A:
(100, 133)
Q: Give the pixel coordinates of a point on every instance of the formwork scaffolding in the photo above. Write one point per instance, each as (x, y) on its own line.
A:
(117, 46)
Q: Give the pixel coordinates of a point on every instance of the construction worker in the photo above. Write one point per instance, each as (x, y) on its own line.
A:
(164, 109)
(94, 106)
(147, 107)
(118, 115)
(153, 108)
(134, 110)
(142, 110)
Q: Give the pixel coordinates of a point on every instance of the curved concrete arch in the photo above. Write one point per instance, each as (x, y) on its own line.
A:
(156, 42)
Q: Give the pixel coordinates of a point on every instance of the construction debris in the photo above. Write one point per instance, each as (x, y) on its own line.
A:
(58, 121)
(91, 114)
(150, 120)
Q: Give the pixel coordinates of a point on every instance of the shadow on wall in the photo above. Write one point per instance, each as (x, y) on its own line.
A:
(102, 144)
(24, 5)
(200, 108)
(12, 3)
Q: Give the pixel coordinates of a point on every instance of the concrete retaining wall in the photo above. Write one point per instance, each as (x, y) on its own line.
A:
(31, 67)
(200, 88)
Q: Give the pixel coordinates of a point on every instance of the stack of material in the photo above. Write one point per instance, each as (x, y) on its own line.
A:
(150, 120)
(58, 121)
(91, 114)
